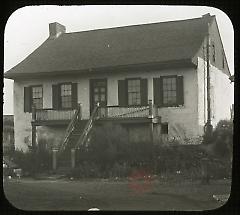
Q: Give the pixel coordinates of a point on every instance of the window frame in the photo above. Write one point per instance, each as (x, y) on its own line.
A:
(176, 102)
(131, 79)
(32, 86)
(60, 96)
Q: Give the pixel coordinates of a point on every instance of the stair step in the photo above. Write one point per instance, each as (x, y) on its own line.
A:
(76, 134)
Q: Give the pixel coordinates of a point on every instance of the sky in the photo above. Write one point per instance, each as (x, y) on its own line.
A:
(27, 28)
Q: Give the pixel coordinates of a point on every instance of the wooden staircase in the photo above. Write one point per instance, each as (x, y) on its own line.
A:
(77, 134)
(88, 128)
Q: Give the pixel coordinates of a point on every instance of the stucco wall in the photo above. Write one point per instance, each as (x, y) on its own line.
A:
(221, 91)
(184, 117)
(51, 135)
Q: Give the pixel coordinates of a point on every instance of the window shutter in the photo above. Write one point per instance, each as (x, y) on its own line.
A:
(27, 99)
(56, 96)
(180, 92)
(74, 96)
(144, 91)
(122, 93)
(158, 91)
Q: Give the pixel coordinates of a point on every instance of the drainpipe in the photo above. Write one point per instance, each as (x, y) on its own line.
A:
(34, 147)
(33, 128)
(208, 125)
(151, 117)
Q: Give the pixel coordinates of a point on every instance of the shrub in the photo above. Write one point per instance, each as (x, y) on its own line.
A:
(223, 139)
(108, 145)
(110, 154)
(24, 160)
(85, 170)
(31, 162)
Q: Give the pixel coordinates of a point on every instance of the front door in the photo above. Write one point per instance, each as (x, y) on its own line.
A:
(98, 93)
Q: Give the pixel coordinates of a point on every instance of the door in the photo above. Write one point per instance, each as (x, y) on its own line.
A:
(98, 93)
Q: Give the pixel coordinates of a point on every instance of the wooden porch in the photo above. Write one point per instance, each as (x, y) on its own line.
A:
(75, 137)
(56, 117)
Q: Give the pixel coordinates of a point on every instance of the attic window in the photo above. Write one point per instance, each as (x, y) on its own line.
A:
(213, 53)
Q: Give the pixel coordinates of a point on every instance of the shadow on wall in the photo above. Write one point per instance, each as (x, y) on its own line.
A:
(178, 135)
(49, 137)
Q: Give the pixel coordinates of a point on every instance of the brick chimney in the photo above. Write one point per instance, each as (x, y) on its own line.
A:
(56, 29)
(206, 15)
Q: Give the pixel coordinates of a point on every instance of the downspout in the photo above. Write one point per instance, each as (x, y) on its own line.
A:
(208, 125)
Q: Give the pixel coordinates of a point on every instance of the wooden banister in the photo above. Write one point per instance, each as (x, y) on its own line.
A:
(87, 127)
(75, 118)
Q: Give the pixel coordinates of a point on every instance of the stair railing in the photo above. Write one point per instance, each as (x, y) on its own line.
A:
(77, 116)
(87, 127)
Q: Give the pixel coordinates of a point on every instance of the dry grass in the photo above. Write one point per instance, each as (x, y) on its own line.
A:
(107, 195)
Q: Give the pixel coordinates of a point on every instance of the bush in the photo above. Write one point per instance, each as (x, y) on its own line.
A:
(108, 145)
(110, 154)
(85, 170)
(24, 160)
(32, 163)
(223, 139)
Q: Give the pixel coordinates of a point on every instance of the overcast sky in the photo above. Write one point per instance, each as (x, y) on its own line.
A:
(27, 28)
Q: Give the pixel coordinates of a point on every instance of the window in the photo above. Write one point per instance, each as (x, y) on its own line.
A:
(134, 94)
(169, 90)
(164, 128)
(213, 53)
(66, 95)
(37, 97)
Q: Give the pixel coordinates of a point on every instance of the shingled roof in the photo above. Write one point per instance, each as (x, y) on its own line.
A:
(121, 46)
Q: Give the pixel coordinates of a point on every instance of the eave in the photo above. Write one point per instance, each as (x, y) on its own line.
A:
(113, 69)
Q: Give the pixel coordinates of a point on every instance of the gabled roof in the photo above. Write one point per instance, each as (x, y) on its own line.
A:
(121, 46)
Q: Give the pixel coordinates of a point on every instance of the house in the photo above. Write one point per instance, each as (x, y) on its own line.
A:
(149, 78)
(8, 133)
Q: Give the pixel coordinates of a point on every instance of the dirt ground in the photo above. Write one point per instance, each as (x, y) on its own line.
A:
(29, 194)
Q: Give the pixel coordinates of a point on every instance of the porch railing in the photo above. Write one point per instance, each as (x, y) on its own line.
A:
(123, 112)
(50, 114)
(149, 111)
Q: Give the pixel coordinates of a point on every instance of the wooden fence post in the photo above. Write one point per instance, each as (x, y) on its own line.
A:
(73, 158)
(33, 129)
(54, 159)
(80, 111)
(150, 109)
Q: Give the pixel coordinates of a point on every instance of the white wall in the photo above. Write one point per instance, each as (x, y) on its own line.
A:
(183, 118)
(221, 91)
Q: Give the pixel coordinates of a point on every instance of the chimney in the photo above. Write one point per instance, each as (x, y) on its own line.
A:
(207, 15)
(56, 29)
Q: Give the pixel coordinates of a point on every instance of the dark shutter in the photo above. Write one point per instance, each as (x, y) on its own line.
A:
(122, 93)
(56, 96)
(158, 91)
(180, 92)
(74, 96)
(27, 99)
(144, 91)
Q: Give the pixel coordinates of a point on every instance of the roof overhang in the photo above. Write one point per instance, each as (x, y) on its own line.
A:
(110, 70)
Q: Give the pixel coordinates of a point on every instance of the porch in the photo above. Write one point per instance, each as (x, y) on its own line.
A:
(77, 134)
(50, 116)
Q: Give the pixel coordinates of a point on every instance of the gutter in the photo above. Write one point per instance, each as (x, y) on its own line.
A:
(110, 69)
